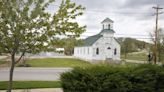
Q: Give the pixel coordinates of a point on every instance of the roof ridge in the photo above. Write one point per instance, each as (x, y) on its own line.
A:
(107, 19)
(91, 40)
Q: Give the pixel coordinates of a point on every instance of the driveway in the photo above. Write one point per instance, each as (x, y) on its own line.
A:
(33, 74)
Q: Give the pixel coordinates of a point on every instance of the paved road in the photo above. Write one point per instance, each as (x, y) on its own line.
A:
(33, 74)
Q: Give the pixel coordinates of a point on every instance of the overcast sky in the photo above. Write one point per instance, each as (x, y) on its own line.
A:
(132, 18)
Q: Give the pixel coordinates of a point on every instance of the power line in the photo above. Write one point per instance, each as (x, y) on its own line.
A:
(115, 12)
(130, 12)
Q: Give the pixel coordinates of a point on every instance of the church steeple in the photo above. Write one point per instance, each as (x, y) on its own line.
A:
(107, 24)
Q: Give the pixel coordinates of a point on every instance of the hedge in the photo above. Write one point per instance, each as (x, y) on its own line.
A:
(142, 78)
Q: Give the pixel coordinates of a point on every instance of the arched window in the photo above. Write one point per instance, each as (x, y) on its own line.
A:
(97, 51)
(108, 26)
(115, 51)
(103, 26)
(108, 48)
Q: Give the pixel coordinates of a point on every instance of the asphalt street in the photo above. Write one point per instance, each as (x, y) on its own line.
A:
(33, 74)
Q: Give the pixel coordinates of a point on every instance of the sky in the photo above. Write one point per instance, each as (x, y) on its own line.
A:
(132, 18)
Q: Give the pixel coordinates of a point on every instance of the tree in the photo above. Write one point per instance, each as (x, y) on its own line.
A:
(160, 44)
(127, 46)
(25, 26)
(68, 44)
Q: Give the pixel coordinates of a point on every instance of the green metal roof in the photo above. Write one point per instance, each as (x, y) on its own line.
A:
(107, 30)
(91, 40)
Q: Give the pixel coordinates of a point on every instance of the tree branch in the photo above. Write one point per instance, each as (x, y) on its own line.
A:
(23, 53)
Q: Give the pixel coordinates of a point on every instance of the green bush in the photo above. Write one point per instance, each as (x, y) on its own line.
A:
(143, 78)
(23, 65)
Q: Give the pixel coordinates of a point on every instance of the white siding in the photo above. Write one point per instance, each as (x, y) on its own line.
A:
(89, 52)
(106, 46)
(84, 53)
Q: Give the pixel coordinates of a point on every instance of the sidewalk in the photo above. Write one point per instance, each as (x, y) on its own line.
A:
(37, 90)
(31, 74)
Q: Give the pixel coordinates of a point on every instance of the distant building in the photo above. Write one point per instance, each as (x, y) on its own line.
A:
(102, 46)
(60, 50)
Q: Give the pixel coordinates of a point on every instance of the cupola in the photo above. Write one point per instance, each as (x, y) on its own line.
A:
(107, 24)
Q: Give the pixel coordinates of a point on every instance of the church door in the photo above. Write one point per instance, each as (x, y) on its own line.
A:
(108, 53)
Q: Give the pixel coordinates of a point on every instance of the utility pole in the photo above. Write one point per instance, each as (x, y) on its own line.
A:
(157, 8)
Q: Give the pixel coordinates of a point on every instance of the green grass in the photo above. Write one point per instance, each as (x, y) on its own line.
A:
(31, 84)
(2, 62)
(162, 58)
(57, 62)
(139, 57)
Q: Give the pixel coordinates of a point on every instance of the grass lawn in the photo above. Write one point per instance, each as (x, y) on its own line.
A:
(57, 62)
(139, 57)
(162, 58)
(2, 62)
(31, 84)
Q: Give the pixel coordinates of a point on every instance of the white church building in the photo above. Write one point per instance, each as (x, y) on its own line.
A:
(100, 47)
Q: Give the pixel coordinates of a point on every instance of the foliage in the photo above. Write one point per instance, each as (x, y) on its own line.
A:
(23, 65)
(141, 78)
(31, 84)
(160, 45)
(26, 26)
(129, 45)
(68, 44)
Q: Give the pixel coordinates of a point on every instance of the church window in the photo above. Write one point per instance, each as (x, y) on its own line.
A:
(88, 50)
(115, 51)
(108, 26)
(97, 51)
(108, 48)
(103, 26)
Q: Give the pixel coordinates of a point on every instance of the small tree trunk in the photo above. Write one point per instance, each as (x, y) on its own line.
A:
(23, 60)
(125, 53)
(11, 73)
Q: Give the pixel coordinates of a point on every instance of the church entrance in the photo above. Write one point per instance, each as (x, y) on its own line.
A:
(108, 53)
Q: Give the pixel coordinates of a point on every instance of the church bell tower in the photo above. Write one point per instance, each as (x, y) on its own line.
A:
(107, 24)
